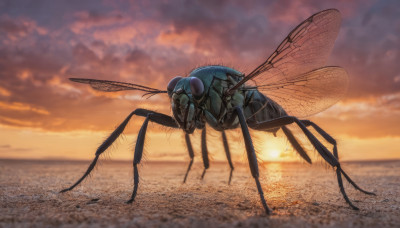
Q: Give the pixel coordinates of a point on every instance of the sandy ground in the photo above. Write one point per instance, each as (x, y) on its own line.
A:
(301, 196)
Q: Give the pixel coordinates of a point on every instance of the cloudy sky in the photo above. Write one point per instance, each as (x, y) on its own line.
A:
(43, 43)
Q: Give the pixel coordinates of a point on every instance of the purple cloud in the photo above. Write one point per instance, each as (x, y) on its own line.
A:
(150, 44)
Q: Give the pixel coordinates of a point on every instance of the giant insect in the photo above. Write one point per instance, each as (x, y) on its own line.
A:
(293, 82)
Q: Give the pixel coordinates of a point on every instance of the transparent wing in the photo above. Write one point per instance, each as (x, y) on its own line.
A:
(112, 86)
(309, 93)
(306, 48)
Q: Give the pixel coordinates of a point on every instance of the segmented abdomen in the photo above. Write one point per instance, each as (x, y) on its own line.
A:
(259, 108)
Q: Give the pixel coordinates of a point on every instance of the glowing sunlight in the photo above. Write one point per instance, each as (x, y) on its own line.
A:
(274, 149)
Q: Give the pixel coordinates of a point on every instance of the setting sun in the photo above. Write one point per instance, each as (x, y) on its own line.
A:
(276, 149)
(274, 154)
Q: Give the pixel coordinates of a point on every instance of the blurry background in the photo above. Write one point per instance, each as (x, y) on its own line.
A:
(45, 116)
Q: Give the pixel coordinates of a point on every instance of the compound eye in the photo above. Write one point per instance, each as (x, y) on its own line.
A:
(197, 87)
(172, 83)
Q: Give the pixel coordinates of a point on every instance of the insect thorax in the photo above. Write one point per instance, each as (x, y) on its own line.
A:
(217, 109)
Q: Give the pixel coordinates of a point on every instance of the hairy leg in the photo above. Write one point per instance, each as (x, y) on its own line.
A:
(295, 143)
(154, 117)
(328, 156)
(191, 155)
(204, 151)
(251, 156)
(228, 155)
(332, 141)
(162, 119)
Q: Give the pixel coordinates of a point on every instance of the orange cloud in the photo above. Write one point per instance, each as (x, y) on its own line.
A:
(85, 20)
(18, 122)
(20, 27)
(4, 92)
(62, 87)
(23, 107)
(289, 12)
(185, 39)
(117, 36)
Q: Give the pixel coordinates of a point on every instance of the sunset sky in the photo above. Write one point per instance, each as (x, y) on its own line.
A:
(43, 115)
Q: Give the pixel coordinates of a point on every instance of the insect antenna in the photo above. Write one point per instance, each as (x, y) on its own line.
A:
(152, 93)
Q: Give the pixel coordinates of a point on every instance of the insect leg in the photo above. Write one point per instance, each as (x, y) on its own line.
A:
(228, 154)
(101, 149)
(138, 157)
(154, 117)
(157, 117)
(204, 152)
(329, 157)
(162, 119)
(332, 141)
(321, 149)
(251, 156)
(285, 120)
(191, 154)
(296, 145)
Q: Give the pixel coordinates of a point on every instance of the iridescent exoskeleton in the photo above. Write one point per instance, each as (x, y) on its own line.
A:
(292, 83)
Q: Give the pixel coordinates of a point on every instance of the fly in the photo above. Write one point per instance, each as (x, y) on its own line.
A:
(292, 83)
